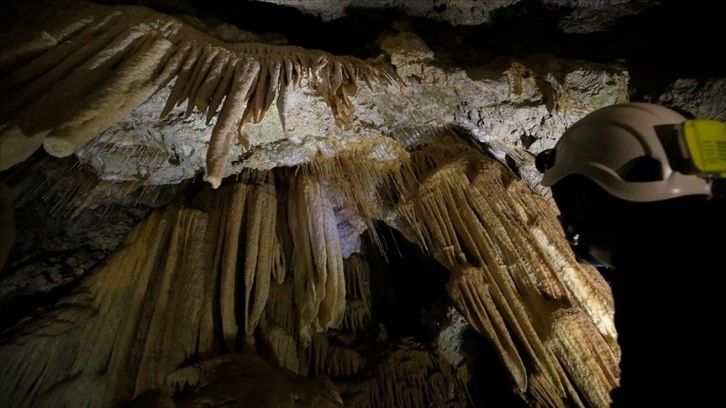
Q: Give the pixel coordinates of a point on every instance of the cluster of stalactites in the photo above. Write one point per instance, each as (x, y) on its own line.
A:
(514, 278)
(410, 375)
(317, 355)
(148, 308)
(87, 67)
(263, 255)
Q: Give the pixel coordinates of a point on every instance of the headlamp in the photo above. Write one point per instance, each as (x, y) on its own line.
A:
(696, 146)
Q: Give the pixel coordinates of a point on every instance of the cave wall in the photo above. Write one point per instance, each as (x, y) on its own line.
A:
(145, 153)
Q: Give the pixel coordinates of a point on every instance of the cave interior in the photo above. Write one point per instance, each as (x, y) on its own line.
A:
(374, 238)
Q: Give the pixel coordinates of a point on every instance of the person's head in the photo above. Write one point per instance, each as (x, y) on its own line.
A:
(623, 169)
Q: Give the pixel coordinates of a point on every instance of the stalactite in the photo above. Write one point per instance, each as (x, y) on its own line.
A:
(465, 212)
(473, 296)
(410, 376)
(150, 49)
(260, 250)
(229, 241)
(357, 286)
(132, 84)
(58, 62)
(572, 340)
(222, 134)
(122, 328)
(168, 342)
(317, 258)
(281, 308)
(512, 277)
(366, 187)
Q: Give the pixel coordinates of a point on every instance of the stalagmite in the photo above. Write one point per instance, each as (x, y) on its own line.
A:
(248, 380)
(283, 347)
(358, 308)
(411, 376)
(333, 360)
(7, 224)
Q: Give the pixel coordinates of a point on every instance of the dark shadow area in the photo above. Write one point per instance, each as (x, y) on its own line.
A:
(669, 40)
(407, 286)
(404, 282)
(662, 43)
(491, 384)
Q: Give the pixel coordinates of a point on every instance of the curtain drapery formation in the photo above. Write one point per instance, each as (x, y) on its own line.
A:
(259, 267)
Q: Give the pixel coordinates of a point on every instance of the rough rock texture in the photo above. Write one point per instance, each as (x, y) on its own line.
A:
(507, 104)
(597, 15)
(702, 98)
(67, 222)
(257, 265)
(585, 16)
(155, 276)
(458, 12)
(241, 380)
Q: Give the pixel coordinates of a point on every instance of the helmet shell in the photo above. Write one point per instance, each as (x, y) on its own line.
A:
(604, 144)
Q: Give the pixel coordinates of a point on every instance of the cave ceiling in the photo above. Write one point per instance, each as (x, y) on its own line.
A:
(203, 203)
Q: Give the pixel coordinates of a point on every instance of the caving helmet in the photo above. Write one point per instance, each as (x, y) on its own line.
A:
(635, 152)
(639, 152)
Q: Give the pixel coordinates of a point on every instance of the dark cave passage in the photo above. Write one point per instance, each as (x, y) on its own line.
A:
(410, 299)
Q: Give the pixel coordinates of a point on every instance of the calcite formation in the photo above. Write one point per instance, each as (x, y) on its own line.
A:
(110, 60)
(114, 101)
(200, 279)
(266, 261)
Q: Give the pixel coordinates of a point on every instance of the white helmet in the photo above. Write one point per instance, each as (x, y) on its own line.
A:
(625, 149)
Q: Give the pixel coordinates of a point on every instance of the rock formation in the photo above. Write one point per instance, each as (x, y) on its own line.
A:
(192, 213)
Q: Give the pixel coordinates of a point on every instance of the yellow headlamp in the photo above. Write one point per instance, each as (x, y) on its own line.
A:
(704, 147)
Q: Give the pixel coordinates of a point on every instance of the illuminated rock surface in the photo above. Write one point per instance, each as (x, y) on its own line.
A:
(197, 213)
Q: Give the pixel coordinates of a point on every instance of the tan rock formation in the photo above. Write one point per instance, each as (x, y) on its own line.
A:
(193, 282)
(269, 263)
(93, 65)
